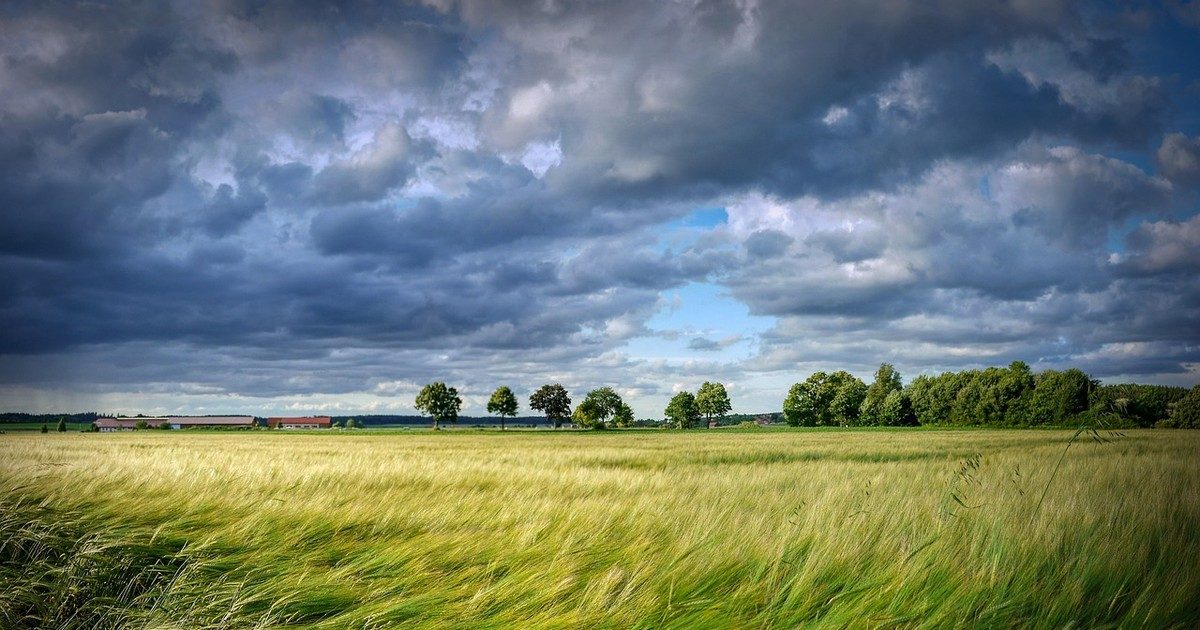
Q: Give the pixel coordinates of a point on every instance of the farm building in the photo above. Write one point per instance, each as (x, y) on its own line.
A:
(309, 422)
(108, 425)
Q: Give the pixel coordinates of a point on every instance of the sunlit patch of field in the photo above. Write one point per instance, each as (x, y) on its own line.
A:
(617, 529)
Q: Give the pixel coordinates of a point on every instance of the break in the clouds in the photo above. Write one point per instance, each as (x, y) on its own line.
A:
(272, 206)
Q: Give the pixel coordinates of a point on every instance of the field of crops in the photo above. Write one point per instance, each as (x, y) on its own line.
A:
(719, 528)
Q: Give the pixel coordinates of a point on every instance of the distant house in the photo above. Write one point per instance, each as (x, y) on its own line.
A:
(308, 422)
(109, 425)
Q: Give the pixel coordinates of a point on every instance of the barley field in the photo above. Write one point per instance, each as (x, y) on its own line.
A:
(629, 529)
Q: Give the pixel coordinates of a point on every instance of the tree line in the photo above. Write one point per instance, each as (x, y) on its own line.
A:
(601, 408)
(995, 396)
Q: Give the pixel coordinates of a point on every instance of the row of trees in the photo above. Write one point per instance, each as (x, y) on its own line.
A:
(1010, 396)
(995, 396)
(600, 409)
(686, 409)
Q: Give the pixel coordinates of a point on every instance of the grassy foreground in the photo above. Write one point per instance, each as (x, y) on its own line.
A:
(623, 529)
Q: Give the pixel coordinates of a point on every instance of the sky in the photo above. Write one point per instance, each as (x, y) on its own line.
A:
(309, 207)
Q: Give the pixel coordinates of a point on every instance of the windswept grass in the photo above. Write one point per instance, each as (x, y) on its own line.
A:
(623, 529)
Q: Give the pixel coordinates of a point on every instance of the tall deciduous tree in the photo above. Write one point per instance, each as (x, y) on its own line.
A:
(503, 403)
(552, 400)
(802, 407)
(681, 411)
(440, 402)
(848, 394)
(896, 409)
(597, 407)
(887, 380)
(624, 416)
(825, 399)
(712, 401)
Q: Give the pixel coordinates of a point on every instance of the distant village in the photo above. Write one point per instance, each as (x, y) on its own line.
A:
(110, 424)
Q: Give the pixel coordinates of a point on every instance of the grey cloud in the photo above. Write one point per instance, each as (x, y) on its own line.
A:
(1179, 158)
(764, 244)
(331, 198)
(317, 120)
(1164, 247)
(1074, 198)
(704, 344)
(848, 247)
(368, 174)
(228, 211)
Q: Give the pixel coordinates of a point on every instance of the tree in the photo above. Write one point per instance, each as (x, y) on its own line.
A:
(503, 403)
(440, 402)
(552, 400)
(848, 394)
(45, 428)
(165, 426)
(1014, 392)
(1059, 396)
(1143, 405)
(825, 399)
(681, 411)
(802, 407)
(141, 424)
(712, 401)
(62, 425)
(896, 409)
(587, 416)
(887, 380)
(1185, 412)
(597, 407)
(623, 416)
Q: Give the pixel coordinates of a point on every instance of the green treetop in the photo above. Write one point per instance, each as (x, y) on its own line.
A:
(440, 402)
(503, 403)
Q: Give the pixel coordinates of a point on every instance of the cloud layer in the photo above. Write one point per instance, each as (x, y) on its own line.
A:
(266, 206)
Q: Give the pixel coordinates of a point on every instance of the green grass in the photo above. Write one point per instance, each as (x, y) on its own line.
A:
(37, 426)
(729, 528)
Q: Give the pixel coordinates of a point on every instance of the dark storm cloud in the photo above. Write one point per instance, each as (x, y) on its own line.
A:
(353, 197)
(229, 211)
